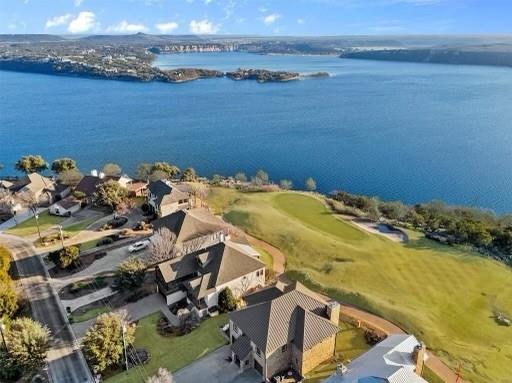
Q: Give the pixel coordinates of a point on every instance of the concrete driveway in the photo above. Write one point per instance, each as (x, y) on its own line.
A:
(213, 368)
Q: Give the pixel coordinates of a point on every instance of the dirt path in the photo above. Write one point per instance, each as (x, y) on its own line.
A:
(278, 258)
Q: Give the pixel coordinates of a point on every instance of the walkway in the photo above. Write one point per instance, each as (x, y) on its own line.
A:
(135, 311)
(278, 257)
(76, 303)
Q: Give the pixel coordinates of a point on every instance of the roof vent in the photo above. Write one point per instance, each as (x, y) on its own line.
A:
(94, 173)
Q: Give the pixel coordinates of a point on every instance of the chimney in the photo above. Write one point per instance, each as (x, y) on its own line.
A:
(94, 173)
(418, 356)
(333, 312)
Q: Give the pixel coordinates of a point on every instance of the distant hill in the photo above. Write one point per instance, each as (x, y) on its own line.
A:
(30, 38)
(494, 55)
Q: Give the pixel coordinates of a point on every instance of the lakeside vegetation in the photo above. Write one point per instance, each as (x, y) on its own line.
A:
(447, 297)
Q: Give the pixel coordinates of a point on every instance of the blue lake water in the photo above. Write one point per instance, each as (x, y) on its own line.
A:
(405, 131)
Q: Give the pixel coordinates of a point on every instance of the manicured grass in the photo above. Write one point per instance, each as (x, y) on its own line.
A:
(78, 227)
(172, 352)
(88, 314)
(29, 226)
(444, 296)
(350, 343)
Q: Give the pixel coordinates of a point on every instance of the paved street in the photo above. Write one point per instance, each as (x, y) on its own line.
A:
(213, 368)
(65, 365)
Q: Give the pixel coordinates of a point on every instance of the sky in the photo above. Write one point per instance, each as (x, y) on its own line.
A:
(257, 17)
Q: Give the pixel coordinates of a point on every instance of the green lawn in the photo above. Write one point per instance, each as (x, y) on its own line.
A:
(79, 316)
(350, 343)
(442, 295)
(266, 258)
(29, 227)
(173, 352)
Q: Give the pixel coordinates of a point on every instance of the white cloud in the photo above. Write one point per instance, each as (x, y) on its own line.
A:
(207, 1)
(300, 20)
(78, 2)
(84, 22)
(271, 19)
(167, 27)
(126, 27)
(58, 20)
(203, 27)
(262, 9)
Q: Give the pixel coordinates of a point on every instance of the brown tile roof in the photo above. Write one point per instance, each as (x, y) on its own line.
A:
(34, 183)
(190, 224)
(297, 316)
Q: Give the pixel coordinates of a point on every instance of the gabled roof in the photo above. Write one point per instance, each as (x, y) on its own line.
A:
(242, 347)
(166, 193)
(389, 361)
(88, 185)
(219, 265)
(68, 202)
(190, 224)
(296, 316)
(33, 183)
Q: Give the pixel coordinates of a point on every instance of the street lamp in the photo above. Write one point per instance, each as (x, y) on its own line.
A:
(36, 216)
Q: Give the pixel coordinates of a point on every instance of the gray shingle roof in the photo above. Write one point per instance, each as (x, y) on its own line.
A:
(296, 316)
(242, 347)
(223, 264)
(190, 224)
(166, 193)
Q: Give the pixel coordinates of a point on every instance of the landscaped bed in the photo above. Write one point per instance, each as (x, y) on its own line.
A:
(444, 296)
(171, 352)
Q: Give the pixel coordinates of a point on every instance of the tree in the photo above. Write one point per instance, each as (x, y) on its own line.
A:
(65, 257)
(70, 177)
(240, 177)
(111, 169)
(189, 175)
(31, 164)
(227, 301)
(110, 194)
(162, 246)
(29, 200)
(130, 273)
(8, 299)
(285, 184)
(216, 179)
(162, 376)
(103, 343)
(62, 164)
(310, 184)
(28, 343)
(144, 171)
(158, 175)
(261, 178)
(6, 201)
(171, 170)
(372, 210)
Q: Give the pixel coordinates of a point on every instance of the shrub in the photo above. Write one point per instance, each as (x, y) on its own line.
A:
(105, 241)
(65, 257)
(227, 301)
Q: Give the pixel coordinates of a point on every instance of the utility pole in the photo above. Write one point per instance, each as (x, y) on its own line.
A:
(124, 346)
(61, 235)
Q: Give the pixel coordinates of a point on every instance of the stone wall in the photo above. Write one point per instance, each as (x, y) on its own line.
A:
(318, 354)
(279, 361)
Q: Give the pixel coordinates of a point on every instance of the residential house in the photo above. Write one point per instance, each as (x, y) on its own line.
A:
(65, 207)
(88, 185)
(165, 198)
(137, 188)
(195, 229)
(199, 277)
(285, 329)
(398, 358)
(36, 185)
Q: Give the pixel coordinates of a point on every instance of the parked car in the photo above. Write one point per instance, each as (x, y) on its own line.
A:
(138, 246)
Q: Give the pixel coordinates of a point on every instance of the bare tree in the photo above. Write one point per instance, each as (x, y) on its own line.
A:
(29, 200)
(196, 244)
(163, 246)
(124, 207)
(6, 201)
(245, 285)
(162, 376)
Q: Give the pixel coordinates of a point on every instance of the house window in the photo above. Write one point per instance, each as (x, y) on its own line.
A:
(258, 351)
(284, 348)
(259, 273)
(235, 328)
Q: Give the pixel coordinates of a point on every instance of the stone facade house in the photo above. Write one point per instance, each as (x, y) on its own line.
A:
(164, 198)
(284, 329)
(199, 277)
